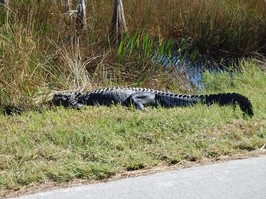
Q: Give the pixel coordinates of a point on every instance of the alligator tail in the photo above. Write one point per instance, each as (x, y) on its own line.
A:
(231, 98)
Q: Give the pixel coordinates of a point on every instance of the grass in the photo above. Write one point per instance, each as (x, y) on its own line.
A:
(61, 145)
(40, 51)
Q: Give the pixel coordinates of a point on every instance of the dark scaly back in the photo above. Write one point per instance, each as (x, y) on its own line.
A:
(231, 98)
(107, 96)
(168, 99)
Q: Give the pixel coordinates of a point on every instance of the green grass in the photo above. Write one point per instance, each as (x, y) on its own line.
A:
(40, 52)
(61, 145)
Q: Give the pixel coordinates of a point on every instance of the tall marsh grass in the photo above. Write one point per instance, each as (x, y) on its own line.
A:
(40, 49)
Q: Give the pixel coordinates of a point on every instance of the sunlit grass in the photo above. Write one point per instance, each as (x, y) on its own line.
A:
(60, 145)
(40, 52)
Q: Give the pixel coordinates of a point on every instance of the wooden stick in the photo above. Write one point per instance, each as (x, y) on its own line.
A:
(81, 23)
(119, 26)
(4, 2)
(68, 5)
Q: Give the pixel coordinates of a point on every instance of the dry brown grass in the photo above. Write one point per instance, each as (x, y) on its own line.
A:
(39, 49)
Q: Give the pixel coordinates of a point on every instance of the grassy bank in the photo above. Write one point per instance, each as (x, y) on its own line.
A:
(96, 143)
(39, 53)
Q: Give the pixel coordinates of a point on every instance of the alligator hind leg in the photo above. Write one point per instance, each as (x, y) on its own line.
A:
(139, 100)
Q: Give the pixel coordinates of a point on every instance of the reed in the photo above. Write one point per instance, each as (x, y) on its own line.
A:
(40, 49)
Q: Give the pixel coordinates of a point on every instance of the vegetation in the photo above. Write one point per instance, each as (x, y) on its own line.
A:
(95, 143)
(40, 51)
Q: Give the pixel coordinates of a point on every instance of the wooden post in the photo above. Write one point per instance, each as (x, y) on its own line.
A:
(81, 23)
(68, 5)
(4, 2)
(119, 26)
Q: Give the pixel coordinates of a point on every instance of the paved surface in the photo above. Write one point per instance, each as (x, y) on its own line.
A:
(243, 179)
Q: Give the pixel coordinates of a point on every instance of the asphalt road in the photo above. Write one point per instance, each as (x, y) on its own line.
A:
(243, 179)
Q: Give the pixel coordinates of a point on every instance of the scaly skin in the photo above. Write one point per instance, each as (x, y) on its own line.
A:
(141, 97)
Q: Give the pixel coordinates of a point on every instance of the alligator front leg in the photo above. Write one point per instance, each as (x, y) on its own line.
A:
(140, 100)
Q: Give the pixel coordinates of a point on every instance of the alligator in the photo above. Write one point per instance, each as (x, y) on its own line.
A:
(141, 97)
